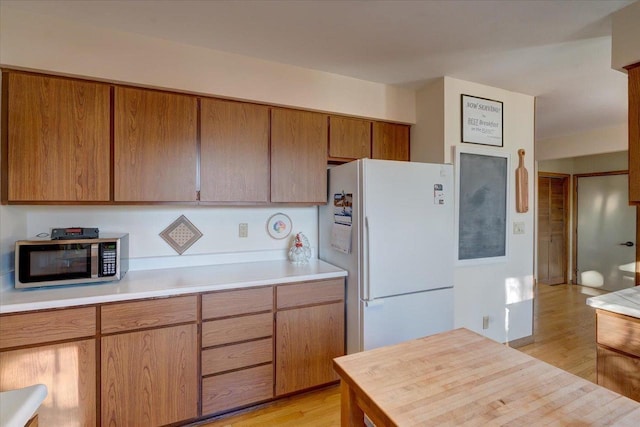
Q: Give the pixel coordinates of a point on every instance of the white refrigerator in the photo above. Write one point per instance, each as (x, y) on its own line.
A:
(390, 225)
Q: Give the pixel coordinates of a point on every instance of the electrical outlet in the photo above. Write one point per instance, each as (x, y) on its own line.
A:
(243, 229)
(518, 228)
(485, 322)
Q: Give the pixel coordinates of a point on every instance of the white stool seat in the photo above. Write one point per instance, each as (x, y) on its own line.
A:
(18, 406)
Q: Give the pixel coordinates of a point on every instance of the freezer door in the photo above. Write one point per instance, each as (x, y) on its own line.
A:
(392, 320)
(408, 227)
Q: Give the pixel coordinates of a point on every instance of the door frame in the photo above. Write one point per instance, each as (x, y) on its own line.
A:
(574, 254)
(566, 182)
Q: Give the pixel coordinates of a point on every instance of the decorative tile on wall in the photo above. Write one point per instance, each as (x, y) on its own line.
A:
(181, 234)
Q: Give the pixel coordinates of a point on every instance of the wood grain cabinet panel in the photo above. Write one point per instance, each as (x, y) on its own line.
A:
(235, 389)
(307, 293)
(619, 332)
(58, 140)
(150, 378)
(619, 372)
(236, 356)
(236, 329)
(234, 151)
(618, 366)
(69, 372)
(298, 156)
(155, 146)
(634, 133)
(129, 316)
(233, 303)
(307, 341)
(390, 141)
(349, 138)
(46, 326)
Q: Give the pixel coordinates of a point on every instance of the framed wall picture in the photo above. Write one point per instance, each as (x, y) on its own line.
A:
(482, 193)
(481, 121)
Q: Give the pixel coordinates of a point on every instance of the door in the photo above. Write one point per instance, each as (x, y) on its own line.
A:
(408, 210)
(552, 228)
(606, 230)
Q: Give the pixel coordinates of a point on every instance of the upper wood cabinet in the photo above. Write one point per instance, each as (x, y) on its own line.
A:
(155, 146)
(57, 139)
(634, 134)
(234, 151)
(298, 156)
(390, 141)
(349, 138)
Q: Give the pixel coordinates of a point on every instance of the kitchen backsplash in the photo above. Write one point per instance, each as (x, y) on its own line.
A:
(220, 242)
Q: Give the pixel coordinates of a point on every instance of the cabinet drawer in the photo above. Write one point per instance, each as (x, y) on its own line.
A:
(307, 293)
(148, 314)
(236, 356)
(245, 301)
(46, 326)
(227, 391)
(619, 332)
(227, 331)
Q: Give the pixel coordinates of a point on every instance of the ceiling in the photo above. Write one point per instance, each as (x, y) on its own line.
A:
(558, 51)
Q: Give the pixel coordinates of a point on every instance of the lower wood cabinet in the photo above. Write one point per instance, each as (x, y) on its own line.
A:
(56, 348)
(237, 348)
(618, 363)
(162, 361)
(150, 378)
(69, 372)
(309, 334)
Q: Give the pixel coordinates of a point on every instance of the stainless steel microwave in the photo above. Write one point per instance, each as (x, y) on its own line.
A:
(64, 262)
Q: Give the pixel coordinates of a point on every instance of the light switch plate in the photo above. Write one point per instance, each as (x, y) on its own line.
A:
(243, 229)
(518, 228)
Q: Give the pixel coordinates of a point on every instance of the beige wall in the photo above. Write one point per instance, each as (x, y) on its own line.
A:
(597, 141)
(625, 43)
(46, 43)
(503, 290)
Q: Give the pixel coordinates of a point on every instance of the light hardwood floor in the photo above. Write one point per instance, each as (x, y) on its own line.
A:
(564, 337)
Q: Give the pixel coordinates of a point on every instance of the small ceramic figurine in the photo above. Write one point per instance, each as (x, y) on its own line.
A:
(300, 252)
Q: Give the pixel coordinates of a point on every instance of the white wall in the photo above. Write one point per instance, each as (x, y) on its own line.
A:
(503, 291)
(625, 40)
(597, 141)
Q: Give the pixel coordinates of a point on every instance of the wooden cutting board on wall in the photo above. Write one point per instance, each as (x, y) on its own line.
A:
(522, 185)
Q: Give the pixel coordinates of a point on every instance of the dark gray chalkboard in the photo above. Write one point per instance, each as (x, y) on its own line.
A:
(482, 225)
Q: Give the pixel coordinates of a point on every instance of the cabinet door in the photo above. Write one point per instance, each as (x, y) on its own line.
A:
(69, 372)
(155, 146)
(349, 138)
(298, 156)
(307, 340)
(390, 141)
(58, 139)
(619, 372)
(234, 152)
(634, 134)
(150, 378)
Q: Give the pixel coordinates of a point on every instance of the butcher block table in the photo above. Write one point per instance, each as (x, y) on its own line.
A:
(462, 378)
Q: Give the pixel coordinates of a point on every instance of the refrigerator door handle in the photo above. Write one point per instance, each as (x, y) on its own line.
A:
(366, 286)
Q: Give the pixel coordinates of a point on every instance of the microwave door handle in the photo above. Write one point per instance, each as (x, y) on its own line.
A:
(94, 259)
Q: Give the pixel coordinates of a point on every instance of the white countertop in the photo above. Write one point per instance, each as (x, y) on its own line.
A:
(168, 282)
(626, 301)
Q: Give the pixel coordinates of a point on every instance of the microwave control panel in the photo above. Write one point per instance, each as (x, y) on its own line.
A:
(109, 252)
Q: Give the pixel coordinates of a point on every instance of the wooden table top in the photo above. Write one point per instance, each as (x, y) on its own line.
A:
(462, 378)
